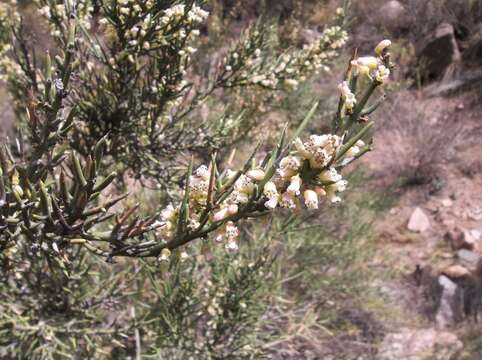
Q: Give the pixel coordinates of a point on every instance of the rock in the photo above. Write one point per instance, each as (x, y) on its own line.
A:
(456, 272)
(460, 238)
(447, 202)
(438, 52)
(418, 221)
(445, 315)
(476, 235)
(392, 16)
(412, 344)
(468, 258)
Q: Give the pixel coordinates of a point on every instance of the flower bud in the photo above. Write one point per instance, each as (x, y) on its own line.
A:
(295, 184)
(165, 254)
(301, 149)
(271, 203)
(382, 45)
(232, 231)
(311, 199)
(256, 174)
(183, 256)
(329, 175)
(232, 247)
(270, 190)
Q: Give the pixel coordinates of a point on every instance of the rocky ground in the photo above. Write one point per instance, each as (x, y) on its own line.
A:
(430, 242)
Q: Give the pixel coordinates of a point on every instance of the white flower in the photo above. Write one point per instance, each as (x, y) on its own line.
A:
(382, 45)
(244, 185)
(300, 148)
(295, 184)
(183, 256)
(165, 254)
(225, 212)
(347, 95)
(320, 158)
(330, 175)
(169, 213)
(311, 199)
(382, 73)
(288, 201)
(232, 247)
(332, 190)
(271, 193)
(231, 231)
(365, 64)
(240, 197)
(352, 152)
(203, 172)
(256, 174)
(317, 141)
(289, 166)
(291, 84)
(191, 50)
(272, 202)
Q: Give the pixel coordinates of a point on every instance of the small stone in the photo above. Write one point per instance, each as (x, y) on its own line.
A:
(418, 221)
(468, 258)
(394, 211)
(447, 202)
(476, 235)
(456, 272)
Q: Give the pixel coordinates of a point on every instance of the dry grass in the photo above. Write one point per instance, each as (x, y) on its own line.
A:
(417, 141)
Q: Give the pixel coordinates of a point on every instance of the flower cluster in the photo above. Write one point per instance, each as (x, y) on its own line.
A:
(308, 172)
(8, 16)
(347, 95)
(59, 14)
(286, 70)
(374, 67)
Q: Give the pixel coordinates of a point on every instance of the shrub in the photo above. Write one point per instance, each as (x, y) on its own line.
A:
(415, 158)
(135, 85)
(89, 108)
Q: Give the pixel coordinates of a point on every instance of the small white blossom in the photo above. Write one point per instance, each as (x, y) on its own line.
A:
(382, 45)
(311, 199)
(165, 255)
(256, 174)
(295, 185)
